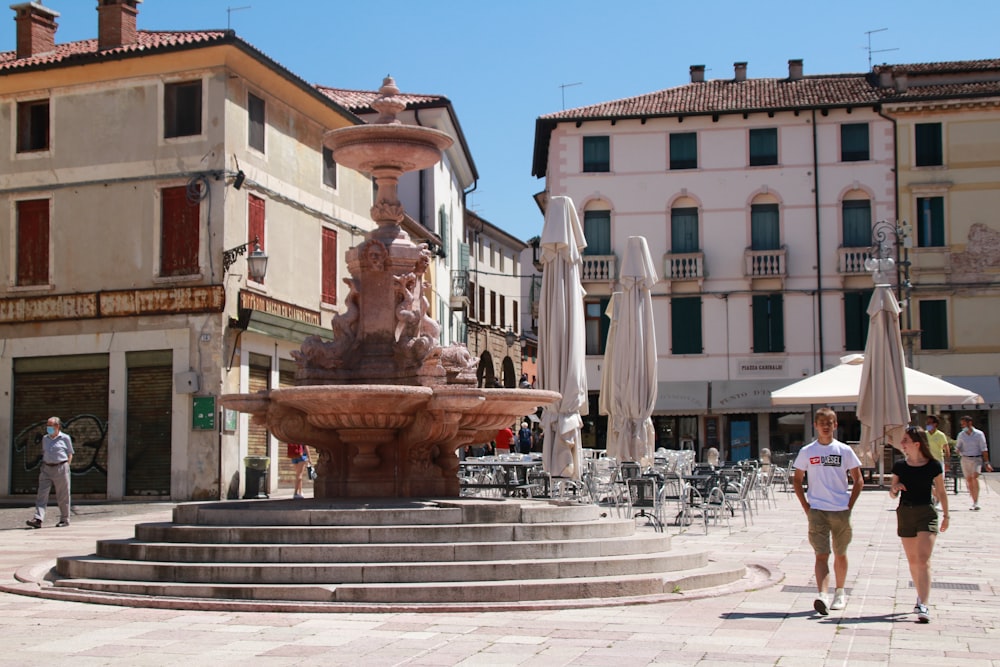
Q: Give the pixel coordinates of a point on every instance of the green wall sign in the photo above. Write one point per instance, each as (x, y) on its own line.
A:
(203, 414)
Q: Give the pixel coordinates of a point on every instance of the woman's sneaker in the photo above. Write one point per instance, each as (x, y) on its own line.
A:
(820, 604)
(923, 615)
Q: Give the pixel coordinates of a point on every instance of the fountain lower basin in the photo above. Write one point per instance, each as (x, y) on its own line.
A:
(394, 441)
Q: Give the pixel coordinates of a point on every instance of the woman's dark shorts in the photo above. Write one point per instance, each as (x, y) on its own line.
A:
(913, 519)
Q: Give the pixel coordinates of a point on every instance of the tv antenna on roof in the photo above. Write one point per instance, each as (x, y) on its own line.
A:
(229, 14)
(563, 87)
(869, 47)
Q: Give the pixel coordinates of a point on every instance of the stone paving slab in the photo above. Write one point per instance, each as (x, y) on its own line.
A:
(773, 625)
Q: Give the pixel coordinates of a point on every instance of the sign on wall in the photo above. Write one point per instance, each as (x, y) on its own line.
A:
(203, 413)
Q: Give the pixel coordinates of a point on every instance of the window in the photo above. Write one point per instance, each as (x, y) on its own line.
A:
(503, 312)
(472, 300)
(765, 232)
(180, 225)
(32, 126)
(597, 154)
(768, 323)
(329, 278)
(182, 109)
(255, 111)
(33, 242)
(514, 316)
(934, 324)
(927, 137)
(444, 229)
(763, 147)
(684, 150)
(683, 230)
(930, 222)
(597, 231)
(856, 319)
(329, 168)
(493, 307)
(596, 324)
(685, 325)
(857, 223)
(482, 305)
(255, 222)
(854, 142)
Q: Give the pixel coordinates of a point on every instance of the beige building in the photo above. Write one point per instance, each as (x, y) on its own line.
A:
(140, 171)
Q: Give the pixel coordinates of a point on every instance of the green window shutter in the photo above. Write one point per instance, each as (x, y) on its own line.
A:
(683, 230)
(684, 150)
(934, 324)
(763, 147)
(768, 323)
(857, 223)
(856, 319)
(927, 137)
(685, 325)
(854, 142)
(764, 229)
(596, 154)
(597, 231)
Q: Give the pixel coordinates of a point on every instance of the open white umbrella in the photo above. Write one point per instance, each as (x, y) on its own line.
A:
(562, 338)
(882, 407)
(841, 385)
(633, 363)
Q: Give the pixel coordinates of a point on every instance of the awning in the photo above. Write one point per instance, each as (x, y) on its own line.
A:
(283, 328)
(732, 396)
(987, 386)
(681, 398)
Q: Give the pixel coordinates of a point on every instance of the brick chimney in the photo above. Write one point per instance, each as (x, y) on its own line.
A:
(36, 28)
(741, 71)
(697, 73)
(116, 23)
(795, 69)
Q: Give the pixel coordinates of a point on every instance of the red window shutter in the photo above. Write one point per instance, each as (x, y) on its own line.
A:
(329, 266)
(179, 231)
(255, 223)
(33, 242)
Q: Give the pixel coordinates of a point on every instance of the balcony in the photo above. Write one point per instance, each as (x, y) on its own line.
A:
(684, 266)
(852, 260)
(459, 289)
(766, 263)
(600, 268)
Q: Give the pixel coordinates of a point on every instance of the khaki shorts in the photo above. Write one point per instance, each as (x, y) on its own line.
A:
(972, 465)
(824, 526)
(913, 519)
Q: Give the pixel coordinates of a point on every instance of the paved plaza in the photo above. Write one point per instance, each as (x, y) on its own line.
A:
(773, 625)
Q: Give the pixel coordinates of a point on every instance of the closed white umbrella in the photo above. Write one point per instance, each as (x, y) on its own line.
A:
(562, 338)
(882, 405)
(604, 401)
(633, 364)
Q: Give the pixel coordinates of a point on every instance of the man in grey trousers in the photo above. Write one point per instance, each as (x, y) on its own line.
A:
(57, 454)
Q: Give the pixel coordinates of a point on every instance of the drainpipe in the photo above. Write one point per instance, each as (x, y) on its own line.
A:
(420, 176)
(819, 255)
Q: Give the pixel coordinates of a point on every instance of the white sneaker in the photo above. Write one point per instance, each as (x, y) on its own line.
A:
(839, 600)
(975, 507)
(820, 604)
(923, 615)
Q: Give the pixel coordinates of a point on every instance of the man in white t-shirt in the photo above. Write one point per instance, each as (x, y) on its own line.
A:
(828, 503)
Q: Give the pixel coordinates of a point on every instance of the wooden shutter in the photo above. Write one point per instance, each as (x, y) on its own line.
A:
(329, 287)
(179, 233)
(33, 242)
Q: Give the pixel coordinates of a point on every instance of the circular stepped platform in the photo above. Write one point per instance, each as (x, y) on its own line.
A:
(386, 555)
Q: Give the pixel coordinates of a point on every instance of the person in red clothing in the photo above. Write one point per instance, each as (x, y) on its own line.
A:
(299, 456)
(504, 439)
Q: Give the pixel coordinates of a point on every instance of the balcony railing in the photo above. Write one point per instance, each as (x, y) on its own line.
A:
(852, 260)
(684, 266)
(766, 263)
(459, 289)
(600, 268)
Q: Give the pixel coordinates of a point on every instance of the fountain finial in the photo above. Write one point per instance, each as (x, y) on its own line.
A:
(388, 103)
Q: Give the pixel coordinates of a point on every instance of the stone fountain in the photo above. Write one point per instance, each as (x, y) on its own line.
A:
(385, 405)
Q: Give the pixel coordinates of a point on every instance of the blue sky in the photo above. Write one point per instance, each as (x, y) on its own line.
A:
(502, 62)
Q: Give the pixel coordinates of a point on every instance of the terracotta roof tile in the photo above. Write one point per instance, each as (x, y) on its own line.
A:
(359, 101)
(87, 48)
(943, 67)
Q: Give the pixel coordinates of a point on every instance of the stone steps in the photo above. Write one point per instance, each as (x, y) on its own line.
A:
(387, 552)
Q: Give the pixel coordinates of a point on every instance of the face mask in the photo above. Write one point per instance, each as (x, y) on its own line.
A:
(930, 428)
(968, 429)
(51, 430)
